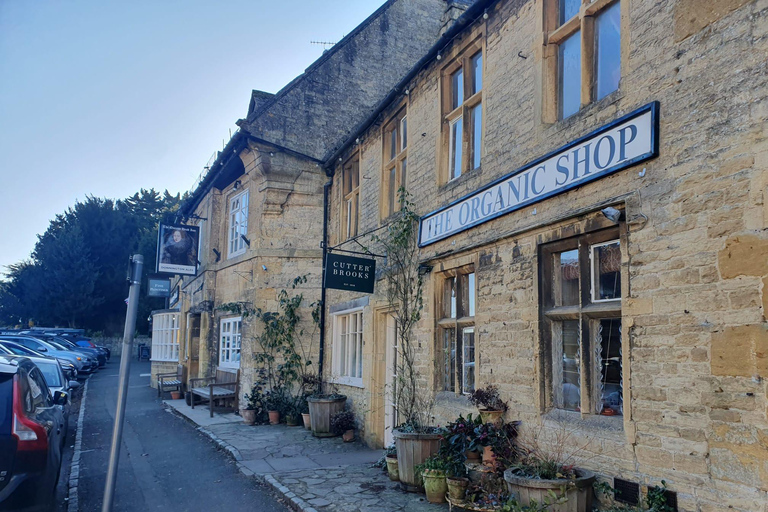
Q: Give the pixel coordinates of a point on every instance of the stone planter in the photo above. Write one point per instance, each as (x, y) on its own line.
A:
(434, 485)
(392, 468)
(489, 416)
(307, 423)
(320, 412)
(413, 449)
(249, 416)
(274, 417)
(457, 487)
(578, 491)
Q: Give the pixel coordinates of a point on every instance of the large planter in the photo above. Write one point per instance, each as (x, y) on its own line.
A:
(248, 415)
(413, 449)
(320, 412)
(457, 487)
(435, 486)
(392, 468)
(578, 491)
(489, 416)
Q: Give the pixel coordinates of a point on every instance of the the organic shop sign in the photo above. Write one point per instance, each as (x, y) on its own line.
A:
(613, 147)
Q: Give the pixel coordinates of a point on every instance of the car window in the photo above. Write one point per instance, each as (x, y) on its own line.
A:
(40, 395)
(26, 395)
(6, 402)
(50, 373)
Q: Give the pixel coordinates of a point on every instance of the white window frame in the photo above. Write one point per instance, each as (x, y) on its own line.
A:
(200, 226)
(237, 225)
(229, 356)
(342, 362)
(165, 336)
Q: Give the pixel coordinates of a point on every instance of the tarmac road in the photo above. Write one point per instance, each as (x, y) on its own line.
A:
(165, 464)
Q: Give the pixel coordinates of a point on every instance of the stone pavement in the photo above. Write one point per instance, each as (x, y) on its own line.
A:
(315, 475)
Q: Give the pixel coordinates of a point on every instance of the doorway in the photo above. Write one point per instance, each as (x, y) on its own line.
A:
(390, 407)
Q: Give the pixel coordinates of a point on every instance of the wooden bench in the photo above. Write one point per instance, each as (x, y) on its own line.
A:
(171, 380)
(220, 387)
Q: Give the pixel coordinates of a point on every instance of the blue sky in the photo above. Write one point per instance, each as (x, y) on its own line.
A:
(104, 97)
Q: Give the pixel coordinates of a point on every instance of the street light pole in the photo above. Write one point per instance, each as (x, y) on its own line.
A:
(137, 263)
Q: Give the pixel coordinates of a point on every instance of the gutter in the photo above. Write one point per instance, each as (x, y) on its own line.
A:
(467, 18)
(324, 244)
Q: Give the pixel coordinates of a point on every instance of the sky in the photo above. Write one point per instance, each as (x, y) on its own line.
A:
(105, 97)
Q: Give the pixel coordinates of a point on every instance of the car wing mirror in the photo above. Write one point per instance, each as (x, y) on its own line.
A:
(60, 398)
(73, 384)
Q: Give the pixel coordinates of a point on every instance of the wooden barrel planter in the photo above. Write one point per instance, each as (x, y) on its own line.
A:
(320, 412)
(413, 449)
(578, 491)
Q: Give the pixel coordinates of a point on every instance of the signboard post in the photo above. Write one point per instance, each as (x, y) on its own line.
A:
(349, 273)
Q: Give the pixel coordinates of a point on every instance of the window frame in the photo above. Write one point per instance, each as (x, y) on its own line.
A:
(240, 246)
(236, 341)
(166, 328)
(587, 313)
(200, 257)
(341, 361)
(460, 58)
(350, 200)
(397, 163)
(556, 33)
(458, 319)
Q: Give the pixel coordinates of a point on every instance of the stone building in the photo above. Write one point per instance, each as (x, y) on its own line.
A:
(260, 205)
(592, 181)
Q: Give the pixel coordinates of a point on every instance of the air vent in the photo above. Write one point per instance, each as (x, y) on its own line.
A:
(626, 491)
(671, 499)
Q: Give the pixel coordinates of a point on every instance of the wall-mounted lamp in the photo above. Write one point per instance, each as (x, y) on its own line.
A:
(424, 269)
(407, 92)
(485, 14)
(247, 242)
(237, 184)
(612, 214)
(217, 253)
(439, 56)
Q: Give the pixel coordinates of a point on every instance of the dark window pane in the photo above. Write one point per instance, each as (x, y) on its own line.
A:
(449, 358)
(477, 72)
(571, 374)
(449, 298)
(570, 75)
(477, 134)
(608, 50)
(456, 146)
(392, 189)
(609, 347)
(457, 88)
(404, 166)
(606, 271)
(393, 143)
(404, 132)
(568, 263)
(568, 9)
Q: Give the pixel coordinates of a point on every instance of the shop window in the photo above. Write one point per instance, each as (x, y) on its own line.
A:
(165, 337)
(395, 145)
(581, 295)
(456, 330)
(463, 111)
(238, 224)
(586, 36)
(348, 348)
(230, 339)
(351, 198)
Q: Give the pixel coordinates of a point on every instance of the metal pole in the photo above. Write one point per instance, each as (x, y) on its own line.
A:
(137, 262)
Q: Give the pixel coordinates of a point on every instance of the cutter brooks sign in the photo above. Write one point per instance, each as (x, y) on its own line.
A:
(613, 147)
(348, 273)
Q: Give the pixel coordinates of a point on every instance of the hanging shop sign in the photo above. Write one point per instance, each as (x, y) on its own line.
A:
(158, 286)
(177, 249)
(348, 273)
(627, 141)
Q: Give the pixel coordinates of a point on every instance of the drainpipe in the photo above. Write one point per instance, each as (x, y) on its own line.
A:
(324, 245)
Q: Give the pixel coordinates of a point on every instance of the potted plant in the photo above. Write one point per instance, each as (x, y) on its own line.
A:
(498, 442)
(304, 410)
(291, 415)
(248, 412)
(489, 403)
(343, 424)
(321, 408)
(391, 459)
(433, 472)
(544, 468)
(275, 404)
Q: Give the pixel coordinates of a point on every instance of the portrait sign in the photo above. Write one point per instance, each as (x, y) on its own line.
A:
(158, 286)
(177, 249)
(348, 273)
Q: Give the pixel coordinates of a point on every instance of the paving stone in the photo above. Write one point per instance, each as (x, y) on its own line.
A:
(319, 502)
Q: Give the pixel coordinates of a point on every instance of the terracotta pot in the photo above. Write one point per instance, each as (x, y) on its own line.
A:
(348, 436)
(472, 456)
(578, 492)
(249, 416)
(291, 420)
(413, 449)
(435, 485)
(320, 412)
(457, 487)
(392, 468)
(307, 421)
(175, 395)
(489, 458)
(489, 416)
(274, 417)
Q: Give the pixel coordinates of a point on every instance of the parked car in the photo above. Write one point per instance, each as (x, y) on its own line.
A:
(100, 355)
(81, 361)
(31, 436)
(92, 357)
(11, 348)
